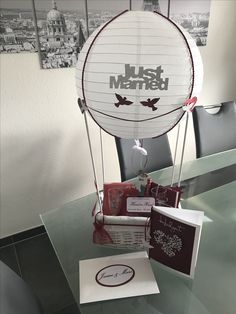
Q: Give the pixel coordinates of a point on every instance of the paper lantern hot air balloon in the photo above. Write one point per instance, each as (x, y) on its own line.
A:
(135, 72)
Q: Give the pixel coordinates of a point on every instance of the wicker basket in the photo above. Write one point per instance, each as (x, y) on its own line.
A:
(120, 231)
(131, 232)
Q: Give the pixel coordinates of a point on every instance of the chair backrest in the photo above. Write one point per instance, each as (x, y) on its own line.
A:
(216, 132)
(15, 295)
(159, 156)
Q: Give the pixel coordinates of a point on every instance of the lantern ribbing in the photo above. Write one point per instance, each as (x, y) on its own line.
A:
(135, 72)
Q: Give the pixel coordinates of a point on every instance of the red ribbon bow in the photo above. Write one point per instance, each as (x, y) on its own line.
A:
(100, 235)
(189, 104)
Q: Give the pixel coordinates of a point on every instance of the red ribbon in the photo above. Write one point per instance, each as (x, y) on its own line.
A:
(100, 235)
(189, 104)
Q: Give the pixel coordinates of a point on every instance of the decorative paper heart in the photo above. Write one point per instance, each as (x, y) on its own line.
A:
(189, 104)
(170, 244)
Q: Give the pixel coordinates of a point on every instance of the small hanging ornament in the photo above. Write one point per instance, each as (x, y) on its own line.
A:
(135, 72)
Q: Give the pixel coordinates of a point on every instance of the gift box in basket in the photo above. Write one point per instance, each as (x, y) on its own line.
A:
(164, 196)
(123, 218)
(136, 85)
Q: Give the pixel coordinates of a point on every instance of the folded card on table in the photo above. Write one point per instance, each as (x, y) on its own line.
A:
(117, 276)
(175, 237)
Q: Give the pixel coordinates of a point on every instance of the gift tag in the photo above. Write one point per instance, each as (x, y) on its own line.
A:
(139, 204)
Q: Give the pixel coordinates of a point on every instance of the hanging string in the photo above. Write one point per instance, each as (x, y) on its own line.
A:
(87, 18)
(168, 10)
(183, 148)
(102, 157)
(133, 120)
(92, 159)
(188, 106)
(175, 155)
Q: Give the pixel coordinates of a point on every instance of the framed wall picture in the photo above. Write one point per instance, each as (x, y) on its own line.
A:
(193, 15)
(100, 11)
(17, 31)
(151, 5)
(61, 27)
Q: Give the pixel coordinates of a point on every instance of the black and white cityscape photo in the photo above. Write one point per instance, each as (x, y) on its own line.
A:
(63, 25)
(193, 15)
(17, 31)
(151, 5)
(62, 31)
(100, 11)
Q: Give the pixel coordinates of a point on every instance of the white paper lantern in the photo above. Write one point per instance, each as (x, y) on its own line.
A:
(135, 72)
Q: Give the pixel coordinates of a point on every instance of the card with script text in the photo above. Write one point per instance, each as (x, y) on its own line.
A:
(175, 236)
(117, 276)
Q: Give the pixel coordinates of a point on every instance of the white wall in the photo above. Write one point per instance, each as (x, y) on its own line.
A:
(45, 160)
(44, 151)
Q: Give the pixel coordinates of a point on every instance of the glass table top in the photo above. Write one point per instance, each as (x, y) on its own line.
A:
(210, 185)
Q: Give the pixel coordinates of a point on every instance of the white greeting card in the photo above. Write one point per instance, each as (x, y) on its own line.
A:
(117, 276)
(175, 237)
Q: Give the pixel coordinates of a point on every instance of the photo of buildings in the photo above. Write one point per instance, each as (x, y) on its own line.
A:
(59, 28)
(100, 11)
(62, 32)
(151, 5)
(193, 16)
(17, 31)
